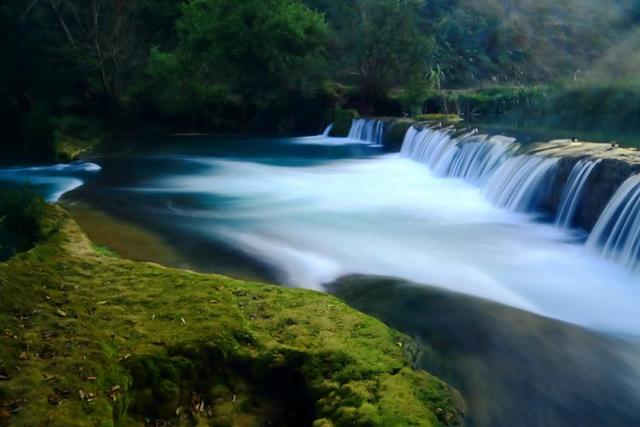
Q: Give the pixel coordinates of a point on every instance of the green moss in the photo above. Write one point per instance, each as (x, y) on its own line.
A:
(68, 148)
(396, 131)
(447, 118)
(342, 121)
(104, 251)
(118, 342)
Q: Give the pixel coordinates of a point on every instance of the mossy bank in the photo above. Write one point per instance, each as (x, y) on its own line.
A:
(91, 339)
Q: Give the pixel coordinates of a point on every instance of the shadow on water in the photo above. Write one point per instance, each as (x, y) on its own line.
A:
(513, 368)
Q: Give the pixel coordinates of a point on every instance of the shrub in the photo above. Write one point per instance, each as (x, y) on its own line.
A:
(21, 213)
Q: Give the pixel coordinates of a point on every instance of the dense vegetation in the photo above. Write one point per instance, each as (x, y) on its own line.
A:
(73, 69)
(20, 228)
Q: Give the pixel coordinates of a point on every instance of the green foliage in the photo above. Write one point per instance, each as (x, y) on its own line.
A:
(489, 102)
(276, 64)
(20, 220)
(416, 91)
(243, 55)
(445, 118)
(524, 42)
(377, 44)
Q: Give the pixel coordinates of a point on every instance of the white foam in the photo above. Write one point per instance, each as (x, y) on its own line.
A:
(392, 216)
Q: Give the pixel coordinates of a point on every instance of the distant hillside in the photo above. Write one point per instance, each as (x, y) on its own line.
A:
(518, 41)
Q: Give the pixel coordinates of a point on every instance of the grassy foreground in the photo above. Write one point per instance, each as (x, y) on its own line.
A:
(87, 338)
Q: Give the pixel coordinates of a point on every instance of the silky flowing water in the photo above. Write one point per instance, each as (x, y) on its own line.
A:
(307, 211)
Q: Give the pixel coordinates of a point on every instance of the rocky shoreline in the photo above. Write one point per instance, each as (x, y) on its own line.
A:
(615, 167)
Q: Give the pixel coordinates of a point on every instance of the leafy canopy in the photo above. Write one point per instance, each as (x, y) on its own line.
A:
(250, 52)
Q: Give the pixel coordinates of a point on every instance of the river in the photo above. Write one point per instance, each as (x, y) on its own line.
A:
(308, 212)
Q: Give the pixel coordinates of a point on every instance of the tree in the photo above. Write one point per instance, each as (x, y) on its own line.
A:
(393, 46)
(101, 36)
(378, 44)
(249, 53)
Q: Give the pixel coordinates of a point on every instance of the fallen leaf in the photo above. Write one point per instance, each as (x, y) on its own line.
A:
(55, 399)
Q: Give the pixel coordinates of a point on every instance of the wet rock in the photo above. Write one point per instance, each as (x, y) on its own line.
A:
(615, 168)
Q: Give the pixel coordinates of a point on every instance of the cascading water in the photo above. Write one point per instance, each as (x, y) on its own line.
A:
(574, 191)
(471, 157)
(477, 157)
(51, 181)
(370, 130)
(515, 183)
(328, 130)
(521, 182)
(617, 234)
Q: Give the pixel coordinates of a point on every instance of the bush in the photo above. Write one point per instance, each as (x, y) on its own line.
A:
(21, 212)
(37, 130)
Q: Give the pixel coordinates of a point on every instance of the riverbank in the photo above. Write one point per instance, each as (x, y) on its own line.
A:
(503, 360)
(512, 367)
(94, 339)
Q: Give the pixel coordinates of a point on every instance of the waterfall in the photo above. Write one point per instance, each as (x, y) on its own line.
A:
(328, 130)
(516, 183)
(521, 182)
(574, 189)
(617, 234)
(478, 157)
(470, 156)
(370, 130)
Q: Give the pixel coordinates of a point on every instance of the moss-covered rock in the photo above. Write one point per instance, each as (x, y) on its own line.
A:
(89, 339)
(342, 122)
(445, 118)
(68, 148)
(395, 131)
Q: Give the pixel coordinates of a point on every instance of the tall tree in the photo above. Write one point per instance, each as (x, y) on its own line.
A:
(101, 36)
(377, 43)
(251, 53)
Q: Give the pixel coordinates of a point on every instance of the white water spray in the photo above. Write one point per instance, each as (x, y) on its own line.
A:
(369, 130)
(514, 183)
(574, 191)
(520, 183)
(616, 236)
